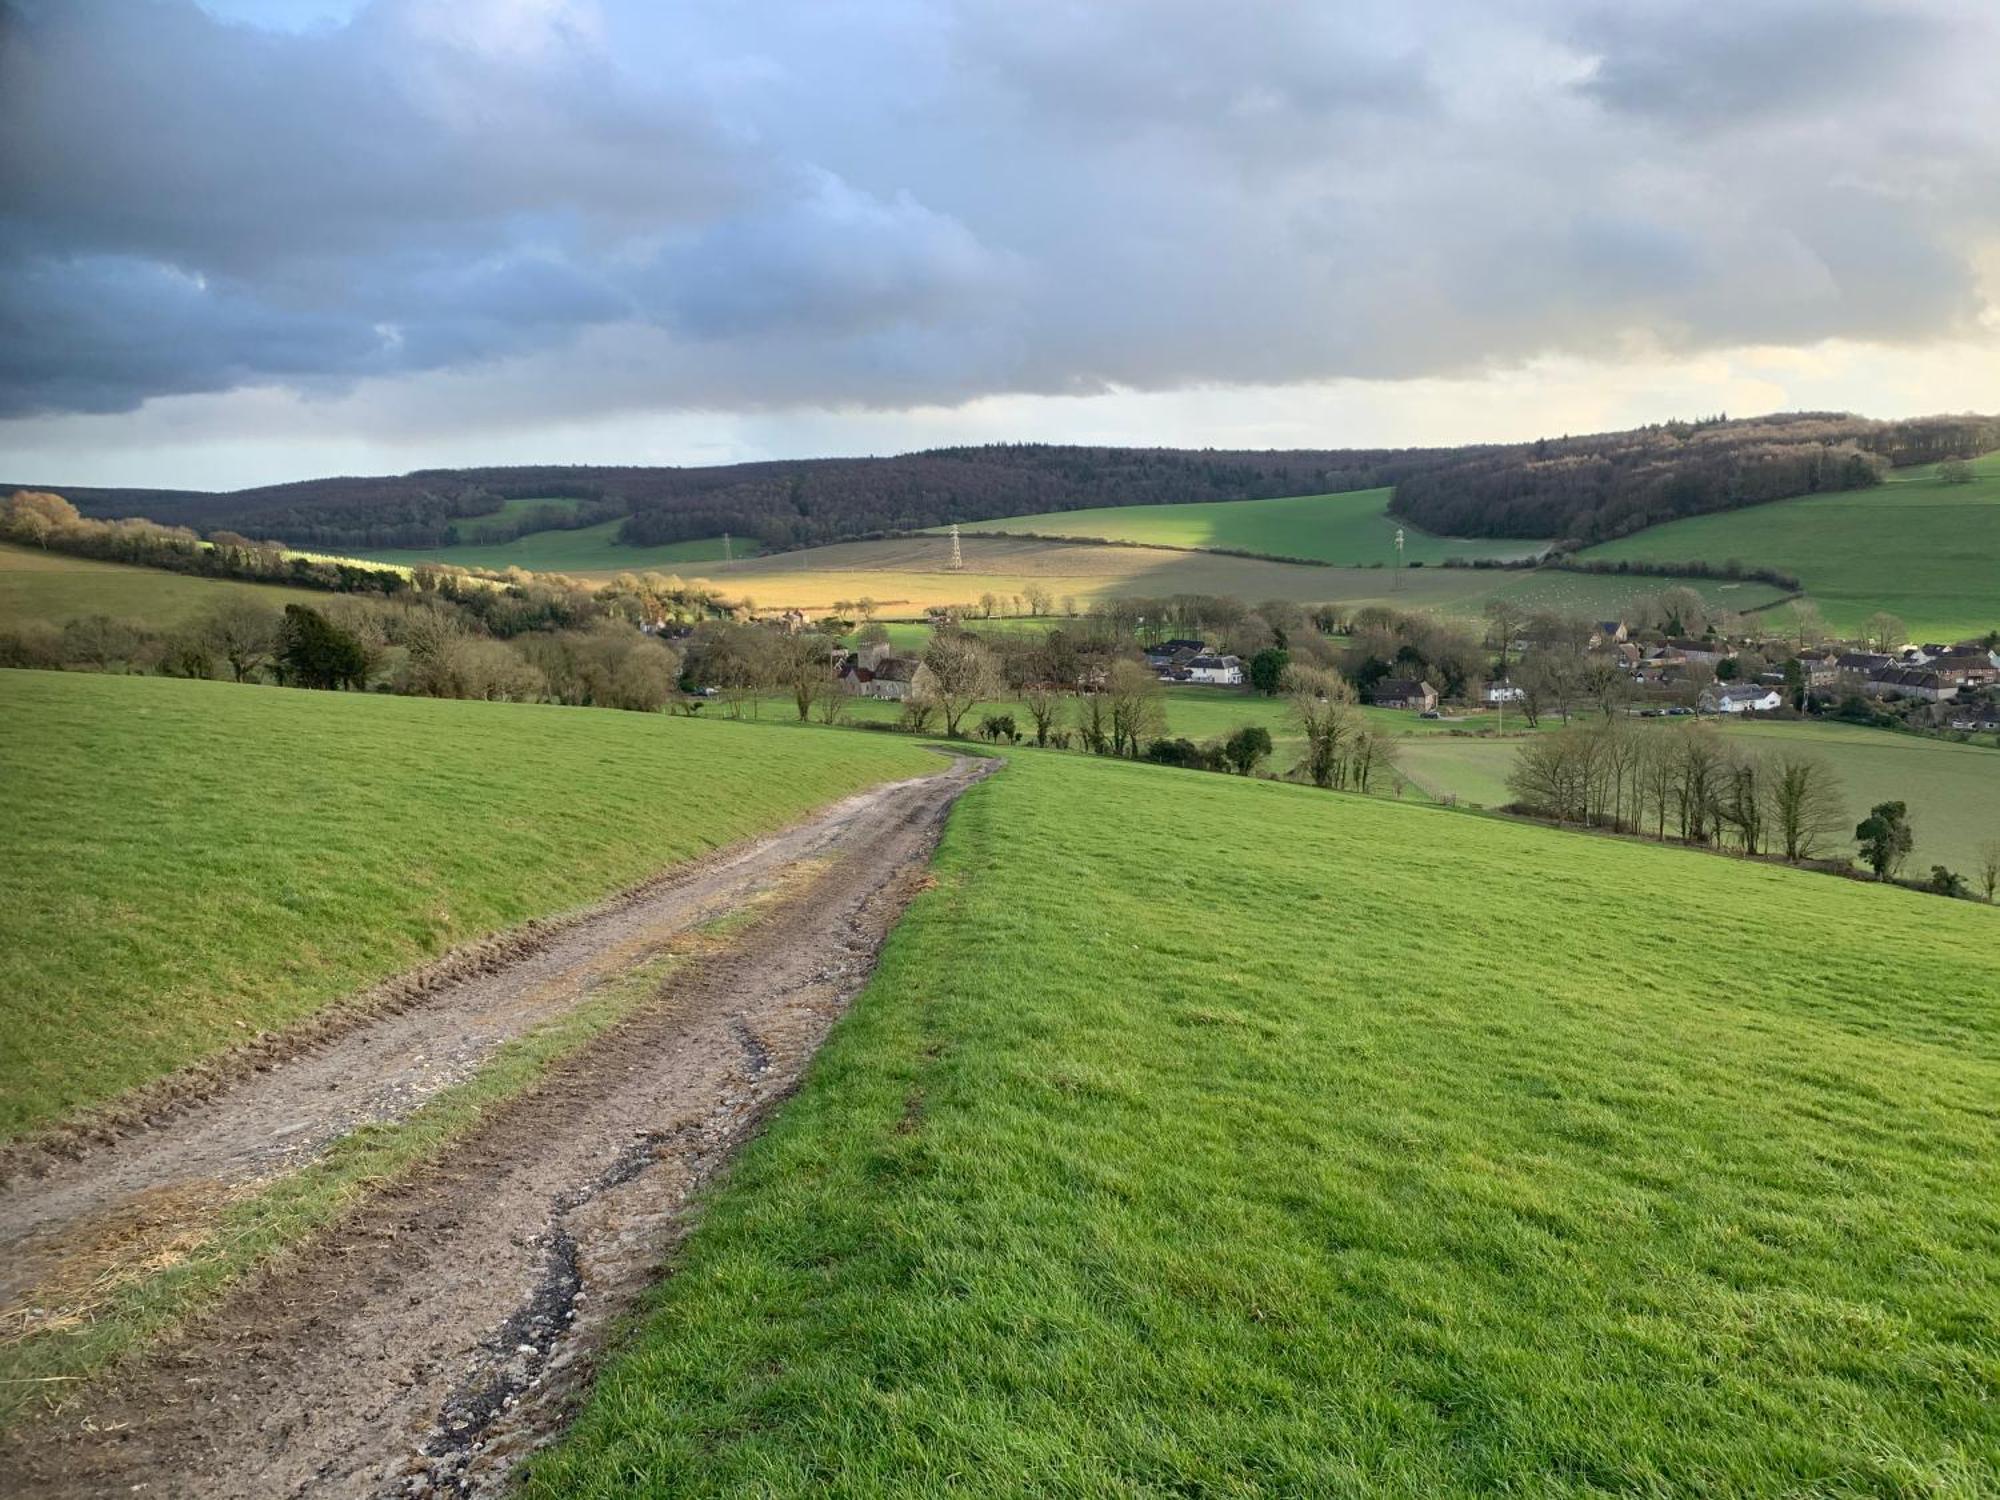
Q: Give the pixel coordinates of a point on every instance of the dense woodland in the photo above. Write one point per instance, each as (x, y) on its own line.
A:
(1576, 489)
(1592, 489)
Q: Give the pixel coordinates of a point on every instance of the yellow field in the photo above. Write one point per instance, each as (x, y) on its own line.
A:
(908, 575)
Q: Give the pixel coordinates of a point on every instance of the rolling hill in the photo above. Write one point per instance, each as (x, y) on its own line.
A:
(187, 863)
(582, 550)
(1340, 1147)
(1926, 551)
(51, 587)
(1353, 529)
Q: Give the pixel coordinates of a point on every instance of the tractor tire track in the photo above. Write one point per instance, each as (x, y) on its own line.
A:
(443, 1330)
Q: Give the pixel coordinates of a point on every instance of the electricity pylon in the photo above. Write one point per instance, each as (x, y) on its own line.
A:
(957, 563)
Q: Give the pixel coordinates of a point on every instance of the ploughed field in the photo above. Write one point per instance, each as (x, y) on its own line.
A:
(1208, 1136)
(1926, 551)
(184, 864)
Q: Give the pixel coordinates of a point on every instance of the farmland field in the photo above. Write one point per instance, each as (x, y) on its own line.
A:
(182, 861)
(51, 587)
(1953, 790)
(1353, 529)
(1339, 1147)
(1925, 551)
(909, 574)
(587, 549)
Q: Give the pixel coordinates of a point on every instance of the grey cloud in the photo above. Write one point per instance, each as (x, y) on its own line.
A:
(900, 202)
(1721, 65)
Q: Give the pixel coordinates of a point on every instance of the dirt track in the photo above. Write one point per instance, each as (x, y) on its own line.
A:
(437, 1334)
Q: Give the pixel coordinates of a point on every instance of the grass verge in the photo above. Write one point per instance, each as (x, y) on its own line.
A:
(105, 1312)
(186, 864)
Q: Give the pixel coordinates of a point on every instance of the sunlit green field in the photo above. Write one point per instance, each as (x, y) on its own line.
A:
(1953, 790)
(1353, 529)
(1208, 1137)
(181, 860)
(1925, 551)
(588, 549)
(50, 587)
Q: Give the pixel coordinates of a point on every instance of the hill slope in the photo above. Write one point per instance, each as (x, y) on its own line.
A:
(583, 549)
(1354, 529)
(1926, 551)
(1341, 1147)
(1953, 790)
(53, 587)
(1587, 487)
(184, 863)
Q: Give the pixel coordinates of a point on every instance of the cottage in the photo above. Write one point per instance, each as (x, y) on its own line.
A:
(889, 678)
(1821, 669)
(1740, 698)
(1502, 692)
(1608, 633)
(1862, 663)
(1706, 653)
(1401, 692)
(1219, 671)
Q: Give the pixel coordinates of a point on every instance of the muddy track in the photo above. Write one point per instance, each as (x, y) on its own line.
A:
(443, 1329)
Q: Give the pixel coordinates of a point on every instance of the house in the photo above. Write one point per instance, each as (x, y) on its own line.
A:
(1967, 668)
(1705, 653)
(889, 678)
(1740, 698)
(1862, 663)
(1820, 668)
(1401, 692)
(1221, 671)
(1502, 692)
(1909, 682)
(1608, 633)
(1173, 648)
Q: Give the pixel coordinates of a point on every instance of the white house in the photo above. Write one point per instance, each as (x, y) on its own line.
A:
(1740, 698)
(1503, 692)
(1222, 671)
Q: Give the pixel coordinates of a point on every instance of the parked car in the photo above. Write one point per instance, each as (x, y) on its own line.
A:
(1430, 713)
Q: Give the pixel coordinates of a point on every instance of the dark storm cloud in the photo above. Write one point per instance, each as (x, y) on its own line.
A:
(896, 202)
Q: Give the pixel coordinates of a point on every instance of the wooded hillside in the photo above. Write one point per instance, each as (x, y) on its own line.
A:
(1577, 488)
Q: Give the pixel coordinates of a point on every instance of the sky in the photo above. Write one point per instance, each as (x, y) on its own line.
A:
(245, 241)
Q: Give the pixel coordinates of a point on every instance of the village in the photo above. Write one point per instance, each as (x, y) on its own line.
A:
(1535, 665)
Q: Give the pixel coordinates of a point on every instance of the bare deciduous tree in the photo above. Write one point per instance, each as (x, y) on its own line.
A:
(961, 673)
(1805, 804)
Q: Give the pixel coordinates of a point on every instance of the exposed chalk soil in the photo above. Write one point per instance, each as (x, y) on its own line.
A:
(438, 1333)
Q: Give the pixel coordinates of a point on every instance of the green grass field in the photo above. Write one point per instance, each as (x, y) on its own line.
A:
(47, 586)
(586, 550)
(1334, 1147)
(1925, 551)
(1353, 529)
(1953, 790)
(183, 860)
